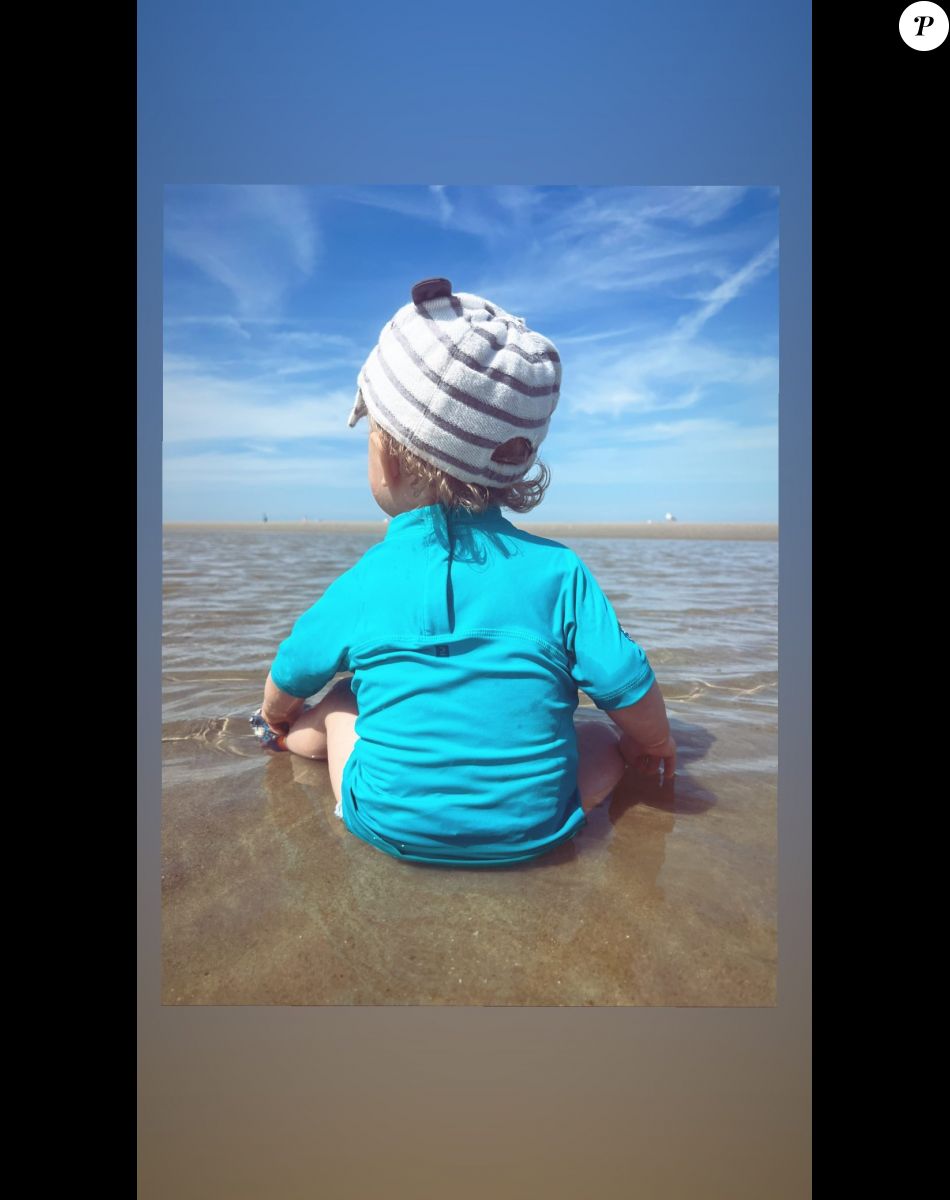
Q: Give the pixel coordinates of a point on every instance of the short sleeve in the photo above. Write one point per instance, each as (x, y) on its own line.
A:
(605, 661)
(318, 645)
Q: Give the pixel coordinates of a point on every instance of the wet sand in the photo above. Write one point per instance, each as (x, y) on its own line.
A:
(268, 900)
(663, 899)
(549, 529)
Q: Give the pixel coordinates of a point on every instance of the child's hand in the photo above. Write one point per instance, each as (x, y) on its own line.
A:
(270, 738)
(279, 709)
(276, 727)
(647, 760)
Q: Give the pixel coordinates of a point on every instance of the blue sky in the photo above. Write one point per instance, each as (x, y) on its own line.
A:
(663, 303)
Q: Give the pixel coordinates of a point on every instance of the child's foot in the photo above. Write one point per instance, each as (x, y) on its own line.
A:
(265, 735)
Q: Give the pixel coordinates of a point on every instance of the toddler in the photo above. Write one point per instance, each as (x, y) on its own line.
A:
(453, 740)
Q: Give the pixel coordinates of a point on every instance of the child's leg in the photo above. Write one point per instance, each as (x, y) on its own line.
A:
(600, 764)
(328, 730)
(308, 734)
(341, 738)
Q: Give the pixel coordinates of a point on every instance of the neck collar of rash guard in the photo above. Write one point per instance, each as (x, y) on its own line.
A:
(428, 515)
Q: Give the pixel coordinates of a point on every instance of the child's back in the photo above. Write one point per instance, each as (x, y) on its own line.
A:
(467, 637)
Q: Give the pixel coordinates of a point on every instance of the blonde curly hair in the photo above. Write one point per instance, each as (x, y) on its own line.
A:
(520, 497)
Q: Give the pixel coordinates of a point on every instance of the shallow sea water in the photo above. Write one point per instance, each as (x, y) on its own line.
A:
(660, 900)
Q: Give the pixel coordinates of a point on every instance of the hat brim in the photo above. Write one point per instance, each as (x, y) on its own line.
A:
(359, 409)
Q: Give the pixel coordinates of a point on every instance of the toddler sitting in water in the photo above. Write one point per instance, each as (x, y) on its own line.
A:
(454, 741)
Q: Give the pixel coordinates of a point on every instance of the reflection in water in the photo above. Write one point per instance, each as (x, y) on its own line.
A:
(665, 897)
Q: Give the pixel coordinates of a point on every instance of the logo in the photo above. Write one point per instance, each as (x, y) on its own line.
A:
(924, 26)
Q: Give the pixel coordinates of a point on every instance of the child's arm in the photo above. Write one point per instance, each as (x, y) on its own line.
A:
(317, 648)
(647, 740)
(280, 709)
(615, 673)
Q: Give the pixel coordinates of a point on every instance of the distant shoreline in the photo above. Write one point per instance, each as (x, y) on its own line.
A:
(695, 531)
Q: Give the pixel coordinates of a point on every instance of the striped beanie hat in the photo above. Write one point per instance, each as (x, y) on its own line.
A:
(462, 384)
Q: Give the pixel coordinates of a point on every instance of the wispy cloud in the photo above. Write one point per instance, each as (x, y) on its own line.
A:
(711, 451)
(445, 206)
(602, 335)
(254, 352)
(226, 323)
(695, 206)
(729, 289)
(256, 467)
(662, 373)
(255, 241)
(662, 376)
(618, 240)
(495, 215)
(200, 407)
(288, 210)
(671, 370)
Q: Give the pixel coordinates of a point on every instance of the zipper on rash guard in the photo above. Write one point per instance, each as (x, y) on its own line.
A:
(437, 609)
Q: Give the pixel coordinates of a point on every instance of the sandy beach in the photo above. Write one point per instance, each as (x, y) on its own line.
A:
(694, 531)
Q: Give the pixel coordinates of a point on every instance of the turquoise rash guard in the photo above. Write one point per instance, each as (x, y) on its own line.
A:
(467, 639)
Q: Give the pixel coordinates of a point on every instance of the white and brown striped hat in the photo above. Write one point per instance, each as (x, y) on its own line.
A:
(462, 384)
